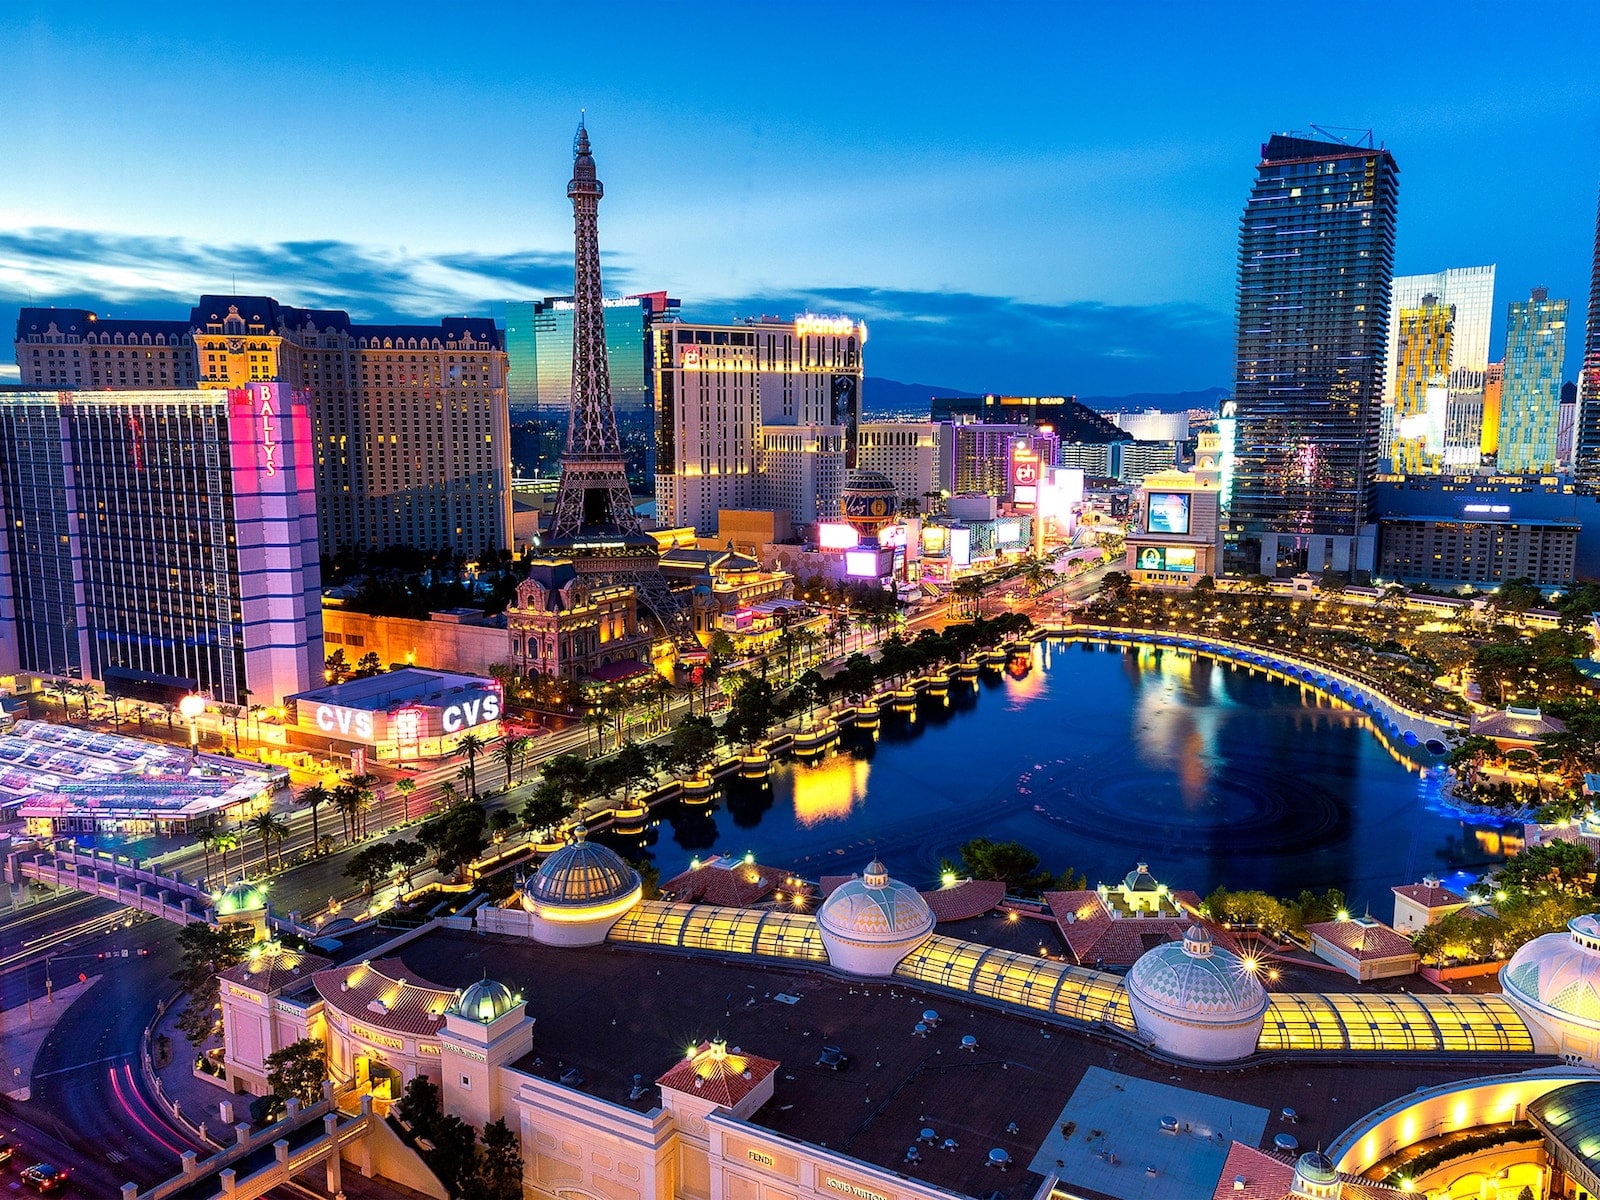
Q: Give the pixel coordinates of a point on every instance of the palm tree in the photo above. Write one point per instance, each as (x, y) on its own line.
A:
(595, 721)
(262, 826)
(314, 797)
(226, 840)
(471, 745)
(347, 799)
(403, 789)
(364, 797)
(447, 794)
(205, 845)
(508, 755)
(255, 716)
(280, 830)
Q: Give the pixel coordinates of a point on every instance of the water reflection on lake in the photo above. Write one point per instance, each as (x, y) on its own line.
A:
(1098, 758)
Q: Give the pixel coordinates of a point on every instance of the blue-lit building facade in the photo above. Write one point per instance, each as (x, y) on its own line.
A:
(1530, 402)
(1451, 531)
(1316, 257)
(539, 380)
(1586, 453)
(160, 542)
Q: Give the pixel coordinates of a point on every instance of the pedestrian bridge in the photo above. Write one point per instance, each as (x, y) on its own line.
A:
(114, 877)
(318, 1136)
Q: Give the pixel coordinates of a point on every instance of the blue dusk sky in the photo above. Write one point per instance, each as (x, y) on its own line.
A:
(1016, 197)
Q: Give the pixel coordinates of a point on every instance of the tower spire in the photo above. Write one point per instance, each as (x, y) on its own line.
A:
(594, 521)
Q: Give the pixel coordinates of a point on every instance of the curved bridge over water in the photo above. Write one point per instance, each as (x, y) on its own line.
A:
(1405, 725)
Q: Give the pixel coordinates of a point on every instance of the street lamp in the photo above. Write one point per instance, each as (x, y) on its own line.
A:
(190, 707)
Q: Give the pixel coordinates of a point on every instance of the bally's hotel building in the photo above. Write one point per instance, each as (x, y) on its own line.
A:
(160, 541)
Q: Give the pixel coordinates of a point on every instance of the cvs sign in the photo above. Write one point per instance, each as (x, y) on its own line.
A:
(480, 711)
(333, 718)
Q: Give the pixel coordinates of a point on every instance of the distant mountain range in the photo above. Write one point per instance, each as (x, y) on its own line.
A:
(892, 396)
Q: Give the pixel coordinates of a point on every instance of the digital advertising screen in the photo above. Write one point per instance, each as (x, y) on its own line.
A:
(1166, 558)
(1167, 512)
(837, 536)
(861, 564)
(960, 547)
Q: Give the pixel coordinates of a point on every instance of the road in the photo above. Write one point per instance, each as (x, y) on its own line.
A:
(89, 1109)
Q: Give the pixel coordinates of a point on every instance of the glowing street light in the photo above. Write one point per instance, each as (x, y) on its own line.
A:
(190, 707)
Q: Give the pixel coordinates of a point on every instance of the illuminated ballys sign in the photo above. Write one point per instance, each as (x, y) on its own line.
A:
(1486, 508)
(336, 718)
(269, 433)
(471, 712)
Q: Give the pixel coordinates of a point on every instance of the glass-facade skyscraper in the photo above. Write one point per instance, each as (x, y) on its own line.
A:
(1438, 355)
(161, 542)
(1586, 456)
(1530, 404)
(539, 380)
(1316, 257)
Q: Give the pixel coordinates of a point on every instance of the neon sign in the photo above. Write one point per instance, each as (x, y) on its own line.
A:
(823, 325)
(331, 717)
(269, 441)
(407, 725)
(484, 709)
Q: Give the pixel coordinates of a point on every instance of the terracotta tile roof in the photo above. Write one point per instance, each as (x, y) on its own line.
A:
(1093, 934)
(965, 900)
(274, 969)
(829, 884)
(718, 1074)
(381, 994)
(731, 883)
(1429, 896)
(1362, 938)
(1266, 1176)
(1271, 1177)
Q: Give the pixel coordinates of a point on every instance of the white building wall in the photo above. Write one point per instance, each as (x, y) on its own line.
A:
(723, 390)
(907, 452)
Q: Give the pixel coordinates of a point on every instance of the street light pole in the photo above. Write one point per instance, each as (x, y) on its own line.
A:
(190, 707)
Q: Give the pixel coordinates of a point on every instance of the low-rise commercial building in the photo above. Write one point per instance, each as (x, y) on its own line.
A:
(404, 714)
(61, 780)
(458, 639)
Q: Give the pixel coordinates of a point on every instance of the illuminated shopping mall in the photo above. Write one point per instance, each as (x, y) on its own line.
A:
(892, 1044)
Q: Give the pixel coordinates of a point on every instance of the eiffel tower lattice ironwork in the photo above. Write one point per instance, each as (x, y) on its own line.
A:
(594, 523)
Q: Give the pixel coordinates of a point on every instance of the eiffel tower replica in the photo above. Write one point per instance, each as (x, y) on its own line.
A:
(594, 524)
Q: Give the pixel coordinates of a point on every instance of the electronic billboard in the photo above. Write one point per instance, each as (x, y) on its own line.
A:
(1167, 512)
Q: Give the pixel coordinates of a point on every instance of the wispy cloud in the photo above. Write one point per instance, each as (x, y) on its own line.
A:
(952, 338)
(993, 343)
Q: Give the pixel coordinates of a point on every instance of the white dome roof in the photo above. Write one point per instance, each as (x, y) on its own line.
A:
(579, 875)
(876, 909)
(1559, 973)
(1196, 981)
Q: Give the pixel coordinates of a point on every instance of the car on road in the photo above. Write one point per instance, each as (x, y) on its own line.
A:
(44, 1178)
(8, 1149)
